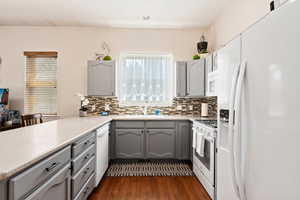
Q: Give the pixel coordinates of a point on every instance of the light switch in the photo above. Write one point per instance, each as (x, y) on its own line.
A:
(179, 107)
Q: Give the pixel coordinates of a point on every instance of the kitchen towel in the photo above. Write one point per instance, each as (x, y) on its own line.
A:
(200, 144)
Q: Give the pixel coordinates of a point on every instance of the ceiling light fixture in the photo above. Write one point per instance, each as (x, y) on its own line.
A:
(146, 18)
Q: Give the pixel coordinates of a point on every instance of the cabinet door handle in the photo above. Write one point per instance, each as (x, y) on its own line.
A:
(87, 156)
(142, 132)
(51, 167)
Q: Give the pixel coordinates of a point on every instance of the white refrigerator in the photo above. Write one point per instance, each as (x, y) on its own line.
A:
(263, 138)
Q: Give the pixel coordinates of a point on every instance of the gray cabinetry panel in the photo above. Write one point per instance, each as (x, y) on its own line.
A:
(58, 187)
(181, 78)
(83, 158)
(183, 142)
(86, 189)
(84, 143)
(196, 78)
(101, 78)
(160, 143)
(82, 176)
(24, 183)
(130, 124)
(160, 124)
(129, 143)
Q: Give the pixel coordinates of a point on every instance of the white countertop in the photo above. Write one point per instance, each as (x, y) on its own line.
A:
(20, 148)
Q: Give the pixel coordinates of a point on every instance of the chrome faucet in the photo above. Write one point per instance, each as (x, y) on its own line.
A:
(145, 108)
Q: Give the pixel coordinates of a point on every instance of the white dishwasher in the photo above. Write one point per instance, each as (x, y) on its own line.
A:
(102, 152)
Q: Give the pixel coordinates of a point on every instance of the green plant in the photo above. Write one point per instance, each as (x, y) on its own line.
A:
(203, 51)
(196, 57)
(107, 58)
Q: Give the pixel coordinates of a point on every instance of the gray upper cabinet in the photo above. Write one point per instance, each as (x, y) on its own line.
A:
(196, 78)
(160, 143)
(190, 78)
(181, 78)
(101, 78)
(129, 143)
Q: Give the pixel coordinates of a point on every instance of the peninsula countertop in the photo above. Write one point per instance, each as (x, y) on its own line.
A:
(20, 148)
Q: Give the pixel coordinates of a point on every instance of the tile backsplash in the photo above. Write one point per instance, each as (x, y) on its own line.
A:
(116, 109)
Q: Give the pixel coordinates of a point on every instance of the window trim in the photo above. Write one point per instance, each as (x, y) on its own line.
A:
(147, 54)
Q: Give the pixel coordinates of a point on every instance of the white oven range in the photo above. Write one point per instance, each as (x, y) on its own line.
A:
(204, 148)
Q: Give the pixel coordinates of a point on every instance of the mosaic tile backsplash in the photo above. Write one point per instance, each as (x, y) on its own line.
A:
(115, 109)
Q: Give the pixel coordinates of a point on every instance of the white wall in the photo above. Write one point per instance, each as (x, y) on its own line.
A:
(235, 18)
(77, 45)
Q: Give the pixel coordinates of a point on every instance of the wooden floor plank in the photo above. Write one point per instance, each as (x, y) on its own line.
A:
(150, 188)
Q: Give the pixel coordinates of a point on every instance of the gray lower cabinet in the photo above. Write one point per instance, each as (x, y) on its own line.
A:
(151, 139)
(184, 140)
(66, 174)
(25, 183)
(129, 143)
(160, 143)
(84, 164)
(57, 187)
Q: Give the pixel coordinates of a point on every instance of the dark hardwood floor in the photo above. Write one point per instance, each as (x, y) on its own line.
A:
(150, 188)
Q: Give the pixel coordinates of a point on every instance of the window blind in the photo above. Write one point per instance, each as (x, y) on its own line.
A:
(40, 83)
(146, 79)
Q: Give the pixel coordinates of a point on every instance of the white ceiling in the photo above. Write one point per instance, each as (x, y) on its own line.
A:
(114, 13)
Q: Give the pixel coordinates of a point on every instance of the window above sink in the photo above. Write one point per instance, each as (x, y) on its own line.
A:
(146, 79)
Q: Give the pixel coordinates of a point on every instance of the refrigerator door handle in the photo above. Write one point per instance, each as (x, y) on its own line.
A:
(237, 131)
(231, 130)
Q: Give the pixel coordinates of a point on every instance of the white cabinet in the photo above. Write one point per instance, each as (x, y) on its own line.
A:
(101, 78)
(102, 152)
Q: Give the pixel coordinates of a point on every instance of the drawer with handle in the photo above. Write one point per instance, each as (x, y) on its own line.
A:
(83, 158)
(57, 187)
(161, 124)
(81, 145)
(25, 182)
(86, 189)
(82, 176)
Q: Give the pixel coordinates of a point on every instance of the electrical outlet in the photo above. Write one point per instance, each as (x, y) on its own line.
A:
(106, 108)
(179, 107)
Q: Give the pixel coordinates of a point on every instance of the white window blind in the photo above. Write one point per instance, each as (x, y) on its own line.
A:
(40, 83)
(146, 79)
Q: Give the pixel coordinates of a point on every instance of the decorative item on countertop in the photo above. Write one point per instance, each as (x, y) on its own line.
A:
(202, 45)
(84, 102)
(104, 113)
(204, 109)
(106, 110)
(196, 57)
(157, 112)
(106, 49)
